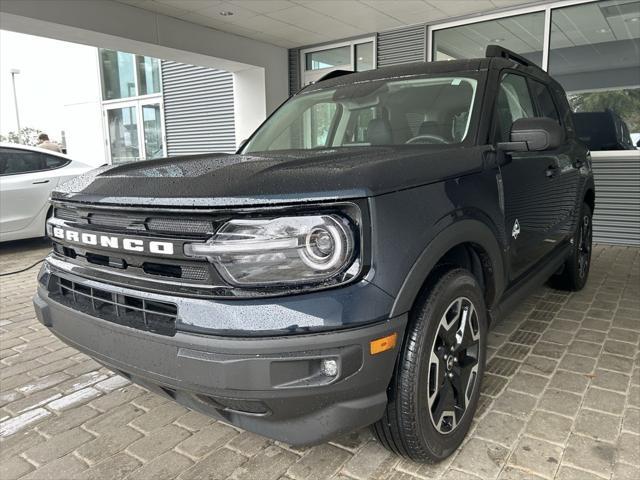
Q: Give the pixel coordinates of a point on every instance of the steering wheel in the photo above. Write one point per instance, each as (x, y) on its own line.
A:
(426, 136)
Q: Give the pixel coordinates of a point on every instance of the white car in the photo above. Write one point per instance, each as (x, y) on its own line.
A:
(27, 177)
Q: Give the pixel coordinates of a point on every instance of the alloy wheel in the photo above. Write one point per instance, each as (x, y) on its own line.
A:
(453, 365)
(584, 247)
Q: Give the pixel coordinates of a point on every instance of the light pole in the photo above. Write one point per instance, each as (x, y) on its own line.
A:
(14, 72)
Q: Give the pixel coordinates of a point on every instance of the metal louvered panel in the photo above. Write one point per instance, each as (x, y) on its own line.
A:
(198, 109)
(617, 216)
(294, 71)
(405, 45)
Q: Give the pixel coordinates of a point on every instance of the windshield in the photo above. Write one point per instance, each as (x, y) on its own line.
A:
(423, 110)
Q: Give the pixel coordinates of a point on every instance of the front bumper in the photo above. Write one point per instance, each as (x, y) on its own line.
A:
(269, 385)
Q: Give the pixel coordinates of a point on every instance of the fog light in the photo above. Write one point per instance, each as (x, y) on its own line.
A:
(329, 367)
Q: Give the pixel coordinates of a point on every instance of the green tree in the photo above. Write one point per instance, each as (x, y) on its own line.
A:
(26, 136)
(625, 103)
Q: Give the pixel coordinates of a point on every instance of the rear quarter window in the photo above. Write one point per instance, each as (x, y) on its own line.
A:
(14, 161)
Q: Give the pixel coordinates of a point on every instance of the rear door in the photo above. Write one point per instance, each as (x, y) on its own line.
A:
(529, 181)
(26, 181)
(565, 175)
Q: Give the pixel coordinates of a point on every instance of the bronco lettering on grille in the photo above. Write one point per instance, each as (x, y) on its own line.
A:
(110, 241)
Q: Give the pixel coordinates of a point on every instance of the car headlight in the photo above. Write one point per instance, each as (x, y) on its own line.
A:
(290, 250)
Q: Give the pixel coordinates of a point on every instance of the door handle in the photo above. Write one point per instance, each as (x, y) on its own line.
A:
(551, 171)
(40, 181)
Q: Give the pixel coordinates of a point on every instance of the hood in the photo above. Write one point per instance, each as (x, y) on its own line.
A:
(212, 180)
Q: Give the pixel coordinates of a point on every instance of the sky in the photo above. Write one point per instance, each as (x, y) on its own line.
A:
(49, 76)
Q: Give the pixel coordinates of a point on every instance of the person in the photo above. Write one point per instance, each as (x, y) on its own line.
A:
(44, 142)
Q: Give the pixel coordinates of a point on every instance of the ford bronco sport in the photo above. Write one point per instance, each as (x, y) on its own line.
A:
(344, 267)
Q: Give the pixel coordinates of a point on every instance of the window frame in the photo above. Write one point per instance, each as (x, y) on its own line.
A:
(44, 155)
(313, 74)
(502, 14)
(502, 73)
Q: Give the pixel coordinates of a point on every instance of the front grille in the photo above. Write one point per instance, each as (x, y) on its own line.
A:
(127, 310)
(164, 273)
(136, 222)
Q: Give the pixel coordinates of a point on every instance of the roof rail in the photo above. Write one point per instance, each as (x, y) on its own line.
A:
(501, 52)
(333, 74)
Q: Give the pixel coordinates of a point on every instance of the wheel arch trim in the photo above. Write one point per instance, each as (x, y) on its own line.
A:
(466, 231)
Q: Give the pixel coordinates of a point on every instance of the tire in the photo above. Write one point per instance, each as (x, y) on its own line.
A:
(415, 395)
(575, 271)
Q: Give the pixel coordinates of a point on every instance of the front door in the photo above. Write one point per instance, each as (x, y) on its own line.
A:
(26, 182)
(135, 130)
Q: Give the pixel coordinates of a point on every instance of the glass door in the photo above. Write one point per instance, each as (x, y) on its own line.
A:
(152, 131)
(135, 130)
(123, 134)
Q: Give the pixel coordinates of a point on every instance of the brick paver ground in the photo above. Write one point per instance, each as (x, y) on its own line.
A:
(561, 399)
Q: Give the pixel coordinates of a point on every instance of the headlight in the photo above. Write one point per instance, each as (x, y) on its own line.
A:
(289, 250)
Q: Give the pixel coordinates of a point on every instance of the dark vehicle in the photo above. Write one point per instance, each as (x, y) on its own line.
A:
(342, 269)
(603, 130)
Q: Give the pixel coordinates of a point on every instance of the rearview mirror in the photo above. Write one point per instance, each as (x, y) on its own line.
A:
(536, 134)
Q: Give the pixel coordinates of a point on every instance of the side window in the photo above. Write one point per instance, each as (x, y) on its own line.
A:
(544, 100)
(514, 102)
(52, 162)
(16, 161)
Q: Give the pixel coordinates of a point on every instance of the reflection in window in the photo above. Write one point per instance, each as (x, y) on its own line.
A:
(595, 55)
(148, 75)
(123, 134)
(153, 146)
(521, 34)
(118, 77)
(364, 56)
(332, 57)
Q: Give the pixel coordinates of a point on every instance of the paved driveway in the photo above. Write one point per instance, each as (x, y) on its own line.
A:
(561, 400)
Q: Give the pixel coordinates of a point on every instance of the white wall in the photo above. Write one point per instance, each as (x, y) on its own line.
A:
(122, 27)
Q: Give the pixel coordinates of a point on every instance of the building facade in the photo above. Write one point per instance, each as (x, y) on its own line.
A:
(149, 108)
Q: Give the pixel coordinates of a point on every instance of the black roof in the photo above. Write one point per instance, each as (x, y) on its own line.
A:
(407, 69)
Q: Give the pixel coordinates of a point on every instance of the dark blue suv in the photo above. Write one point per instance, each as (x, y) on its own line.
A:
(344, 267)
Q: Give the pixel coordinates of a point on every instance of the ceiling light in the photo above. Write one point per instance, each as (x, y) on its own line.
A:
(603, 30)
(633, 20)
(497, 40)
(226, 13)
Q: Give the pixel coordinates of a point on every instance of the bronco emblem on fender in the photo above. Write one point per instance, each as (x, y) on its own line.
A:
(516, 229)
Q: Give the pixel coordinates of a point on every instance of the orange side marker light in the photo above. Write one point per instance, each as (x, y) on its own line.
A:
(383, 344)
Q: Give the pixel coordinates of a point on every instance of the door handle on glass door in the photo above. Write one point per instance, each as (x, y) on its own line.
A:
(40, 181)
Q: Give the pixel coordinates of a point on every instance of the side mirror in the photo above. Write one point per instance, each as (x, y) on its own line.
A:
(536, 134)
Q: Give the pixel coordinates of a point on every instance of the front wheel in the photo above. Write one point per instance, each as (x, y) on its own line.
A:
(575, 272)
(434, 393)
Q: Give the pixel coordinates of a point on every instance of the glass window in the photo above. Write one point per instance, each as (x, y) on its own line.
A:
(440, 107)
(359, 121)
(123, 134)
(521, 34)
(153, 144)
(364, 56)
(148, 75)
(594, 55)
(514, 102)
(14, 161)
(118, 76)
(55, 162)
(543, 98)
(332, 57)
(321, 117)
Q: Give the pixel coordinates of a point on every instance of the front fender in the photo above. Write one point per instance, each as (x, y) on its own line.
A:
(460, 232)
